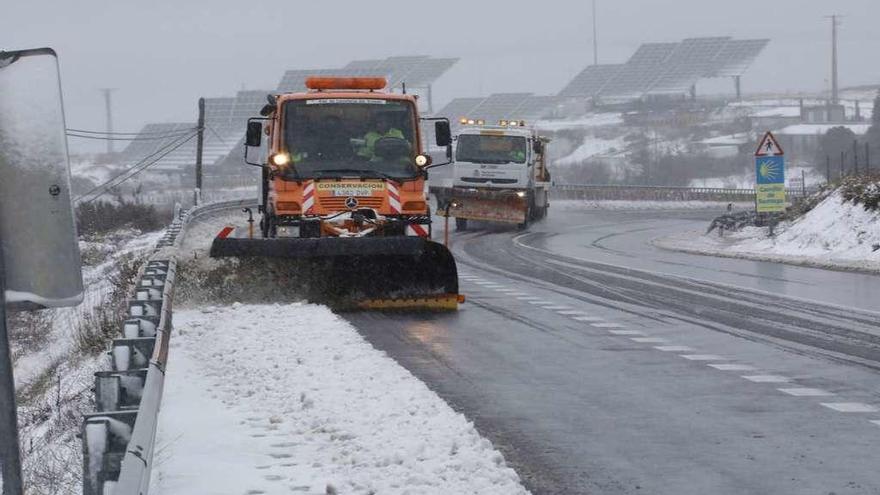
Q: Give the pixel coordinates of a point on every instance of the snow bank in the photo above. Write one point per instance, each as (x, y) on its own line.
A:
(274, 399)
(835, 234)
(592, 146)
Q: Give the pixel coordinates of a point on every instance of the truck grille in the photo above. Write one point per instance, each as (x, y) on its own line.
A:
(338, 203)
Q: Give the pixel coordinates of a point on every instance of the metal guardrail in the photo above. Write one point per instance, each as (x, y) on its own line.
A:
(592, 192)
(119, 438)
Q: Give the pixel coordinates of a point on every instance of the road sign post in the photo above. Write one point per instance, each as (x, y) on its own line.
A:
(769, 176)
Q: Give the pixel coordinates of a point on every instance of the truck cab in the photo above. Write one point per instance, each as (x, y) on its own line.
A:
(496, 157)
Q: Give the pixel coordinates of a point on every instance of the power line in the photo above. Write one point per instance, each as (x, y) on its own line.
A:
(142, 133)
(135, 138)
(133, 171)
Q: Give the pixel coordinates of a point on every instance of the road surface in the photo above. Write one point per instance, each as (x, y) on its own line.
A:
(598, 363)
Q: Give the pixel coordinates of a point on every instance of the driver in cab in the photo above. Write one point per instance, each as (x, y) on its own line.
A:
(383, 127)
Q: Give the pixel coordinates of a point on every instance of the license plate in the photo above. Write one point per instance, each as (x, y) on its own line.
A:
(346, 192)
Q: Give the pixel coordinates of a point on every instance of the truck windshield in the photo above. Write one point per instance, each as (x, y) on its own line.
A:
(482, 148)
(350, 137)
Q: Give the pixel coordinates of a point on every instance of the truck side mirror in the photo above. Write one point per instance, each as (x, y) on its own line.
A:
(443, 133)
(254, 136)
(538, 147)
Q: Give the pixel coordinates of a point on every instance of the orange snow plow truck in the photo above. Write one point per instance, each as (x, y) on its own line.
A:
(343, 203)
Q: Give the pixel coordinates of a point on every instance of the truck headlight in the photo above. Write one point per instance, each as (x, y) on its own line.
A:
(521, 194)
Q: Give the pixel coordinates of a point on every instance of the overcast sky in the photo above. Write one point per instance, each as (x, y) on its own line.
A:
(162, 55)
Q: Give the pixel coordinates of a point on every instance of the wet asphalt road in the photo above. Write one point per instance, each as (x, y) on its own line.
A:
(600, 364)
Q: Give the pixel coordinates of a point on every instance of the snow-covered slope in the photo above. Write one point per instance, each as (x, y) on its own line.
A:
(291, 399)
(836, 233)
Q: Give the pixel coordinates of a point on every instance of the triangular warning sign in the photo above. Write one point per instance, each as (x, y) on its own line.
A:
(769, 146)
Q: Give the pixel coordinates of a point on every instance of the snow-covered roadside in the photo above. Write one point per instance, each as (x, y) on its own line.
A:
(581, 205)
(835, 234)
(97, 286)
(280, 398)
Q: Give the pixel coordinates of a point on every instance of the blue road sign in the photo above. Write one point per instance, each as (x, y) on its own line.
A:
(770, 169)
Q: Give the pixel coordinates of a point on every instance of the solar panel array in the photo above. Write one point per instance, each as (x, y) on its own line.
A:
(591, 80)
(692, 60)
(225, 120)
(415, 71)
(666, 68)
(737, 55)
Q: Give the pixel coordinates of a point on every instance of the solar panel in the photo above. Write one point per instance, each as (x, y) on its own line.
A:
(736, 56)
(640, 72)
(693, 59)
(429, 71)
(499, 106)
(537, 107)
(591, 80)
(459, 107)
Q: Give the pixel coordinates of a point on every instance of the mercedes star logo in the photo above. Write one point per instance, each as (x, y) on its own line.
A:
(351, 203)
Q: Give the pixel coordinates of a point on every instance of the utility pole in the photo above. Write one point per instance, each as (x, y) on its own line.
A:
(835, 90)
(200, 144)
(595, 37)
(108, 103)
(10, 455)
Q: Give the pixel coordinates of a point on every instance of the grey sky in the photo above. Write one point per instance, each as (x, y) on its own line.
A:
(163, 54)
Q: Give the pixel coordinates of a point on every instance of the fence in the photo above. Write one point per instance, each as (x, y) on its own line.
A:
(119, 438)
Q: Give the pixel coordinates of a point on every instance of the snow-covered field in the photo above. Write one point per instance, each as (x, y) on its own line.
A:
(834, 234)
(591, 147)
(290, 399)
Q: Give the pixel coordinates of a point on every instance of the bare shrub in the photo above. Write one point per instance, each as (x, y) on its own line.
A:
(104, 216)
(29, 331)
(97, 326)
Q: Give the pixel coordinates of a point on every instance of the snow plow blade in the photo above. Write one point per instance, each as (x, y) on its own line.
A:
(493, 207)
(393, 273)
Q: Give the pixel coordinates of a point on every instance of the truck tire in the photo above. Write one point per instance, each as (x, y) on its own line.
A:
(461, 224)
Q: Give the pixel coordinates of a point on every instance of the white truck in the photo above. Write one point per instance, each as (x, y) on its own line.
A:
(500, 175)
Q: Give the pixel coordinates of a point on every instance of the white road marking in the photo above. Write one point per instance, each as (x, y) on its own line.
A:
(806, 392)
(876, 422)
(606, 325)
(851, 407)
(590, 318)
(539, 302)
(703, 357)
(573, 313)
(556, 307)
(648, 340)
(673, 348)
(733, 367)
(625, 332)
(767, 378)
(528, 298)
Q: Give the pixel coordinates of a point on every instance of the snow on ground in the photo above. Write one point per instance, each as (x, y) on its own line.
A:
(626, 205)
(592, 146)
(289, 398)
(834, 234)
(97, 285)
